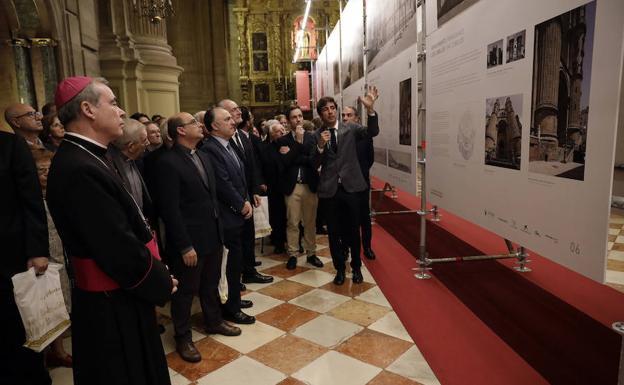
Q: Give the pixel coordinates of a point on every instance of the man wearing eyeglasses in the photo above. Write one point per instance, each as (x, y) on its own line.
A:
(25, 121)
(188, 209)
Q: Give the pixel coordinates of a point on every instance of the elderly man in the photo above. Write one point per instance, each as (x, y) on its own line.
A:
(153, 136)
(366, 156)
(341, 180)
(243, 147)
(118, 278)
(189, 210)
(24, 240)
(298, 183)
(272, 168)
(235, 204)
(129, 147)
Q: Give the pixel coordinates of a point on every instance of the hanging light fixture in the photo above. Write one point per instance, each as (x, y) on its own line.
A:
(301, 32)
(154, 10)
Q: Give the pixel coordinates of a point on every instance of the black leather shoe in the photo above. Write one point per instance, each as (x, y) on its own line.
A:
(279, 250)
(188, 352)
(256, 277)
(225, 329)
(257, 263)
(292, 263)
(369, 253)
(240, 318)
(314, 261)
(357, 276)
(339, 278)
(246, 304)
(243, 287)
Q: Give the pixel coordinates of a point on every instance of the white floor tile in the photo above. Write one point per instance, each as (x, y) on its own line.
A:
(261, 303)
(367, 275)
(327, 331)
(614, 231)
(243, 371)
(615, 277)
(619, 239)
(62, 376)
(413, 365)
(253, 337)
(618, 220)
(334, 368)
(314, 278)
(319, 300)
(374, 295)
(168, 341)
(258, 286)
(267, 263)
(617, 255)
(392, 326)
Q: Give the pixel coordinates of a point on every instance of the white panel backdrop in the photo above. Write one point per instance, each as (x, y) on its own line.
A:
(557, 208)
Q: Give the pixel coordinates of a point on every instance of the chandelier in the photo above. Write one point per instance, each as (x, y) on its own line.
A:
(154, 10)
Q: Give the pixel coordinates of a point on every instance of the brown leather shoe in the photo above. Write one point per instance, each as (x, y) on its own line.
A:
(188, 351)
(225, 329)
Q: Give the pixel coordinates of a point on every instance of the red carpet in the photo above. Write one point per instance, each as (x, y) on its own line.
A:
(483, 323)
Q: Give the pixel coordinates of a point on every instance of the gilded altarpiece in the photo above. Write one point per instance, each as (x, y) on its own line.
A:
(264, 34)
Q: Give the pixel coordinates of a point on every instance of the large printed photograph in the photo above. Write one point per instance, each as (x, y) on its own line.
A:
(503, 131)
(562, 71)
(352, 44)
(390, 29)
(447, 9)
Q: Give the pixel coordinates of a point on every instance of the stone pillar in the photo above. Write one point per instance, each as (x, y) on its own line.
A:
(548, 59)
(491, 132)
(23, 70)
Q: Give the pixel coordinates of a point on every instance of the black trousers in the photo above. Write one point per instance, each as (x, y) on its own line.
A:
(18, 365)
(277, 218)
(202, 280)
(365, 219)
(249, 246)
(343, 227)
(232, 239)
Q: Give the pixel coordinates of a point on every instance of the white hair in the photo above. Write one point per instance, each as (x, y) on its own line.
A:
(131, 133)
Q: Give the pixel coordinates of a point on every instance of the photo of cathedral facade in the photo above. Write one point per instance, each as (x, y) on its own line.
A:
(560, 104)
(503, 131)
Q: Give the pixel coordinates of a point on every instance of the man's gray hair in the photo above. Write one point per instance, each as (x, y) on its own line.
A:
(199, 116)
(272, 122)
(131, 133)
(70, 110)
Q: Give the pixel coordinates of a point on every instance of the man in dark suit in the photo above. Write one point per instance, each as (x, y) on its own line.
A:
(234, 201)
(298, 184)
(243, 147)
(366, 156)
(189, 211)
(24, 240)
(341, 179)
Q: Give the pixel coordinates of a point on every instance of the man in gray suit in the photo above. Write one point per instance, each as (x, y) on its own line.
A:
(341, 179)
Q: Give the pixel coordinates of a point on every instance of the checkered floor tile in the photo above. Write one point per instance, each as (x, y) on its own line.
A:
(308, 331)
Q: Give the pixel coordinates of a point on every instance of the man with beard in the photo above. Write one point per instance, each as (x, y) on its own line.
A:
(118, 280)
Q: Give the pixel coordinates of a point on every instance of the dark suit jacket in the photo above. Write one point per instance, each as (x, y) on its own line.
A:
(253, 172)
(188, 207)
(23, 223)
(300, 155)
(148, 205)
(231, 184)
(366, 157)
(344, 163)
(272, 165)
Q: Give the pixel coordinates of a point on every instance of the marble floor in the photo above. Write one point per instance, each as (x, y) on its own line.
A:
(308, 331)
(615, 252)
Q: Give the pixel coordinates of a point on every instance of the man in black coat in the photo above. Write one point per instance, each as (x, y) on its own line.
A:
(243, 147)
(189, 210)
(24, 240)
(235, 205)
(118, 277)
(341, 179)
(366, 156)
(298, 183)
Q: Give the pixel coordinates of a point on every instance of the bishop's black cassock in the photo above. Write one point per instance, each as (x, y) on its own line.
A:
(115, 338)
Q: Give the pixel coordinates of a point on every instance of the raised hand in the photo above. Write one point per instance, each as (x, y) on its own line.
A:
(368, 101)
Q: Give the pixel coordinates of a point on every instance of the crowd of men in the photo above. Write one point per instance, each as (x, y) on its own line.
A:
(144, 208)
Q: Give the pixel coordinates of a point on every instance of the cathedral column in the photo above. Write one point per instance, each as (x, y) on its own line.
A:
(548, 57)
(491, 132)
(23, 71)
